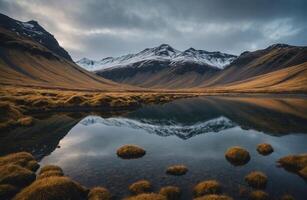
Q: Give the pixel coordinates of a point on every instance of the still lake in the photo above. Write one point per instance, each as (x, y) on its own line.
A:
(195, 132)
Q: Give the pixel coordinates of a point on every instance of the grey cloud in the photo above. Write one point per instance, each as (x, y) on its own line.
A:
(99, 28)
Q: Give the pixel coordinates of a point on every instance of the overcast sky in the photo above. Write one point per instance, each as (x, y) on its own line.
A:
(101, 28)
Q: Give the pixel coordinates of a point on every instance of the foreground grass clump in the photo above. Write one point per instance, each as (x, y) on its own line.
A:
(16, 175)
(295, 163)
(258, 195)
(170, 192)
(49, 171)
(265, 149)
(130, 151)
(99, 193)
(256, 179)
(148, 196)
(207, 187)
(22, 159)
(214, 197)
(237, 155)
(177, 170)
(60, 188)
(139, 187)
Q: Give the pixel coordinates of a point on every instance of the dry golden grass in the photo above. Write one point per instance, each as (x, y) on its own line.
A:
(49, 174)
(256, 179)
(99, 193)
(207, 187)
(265, 149)
(16, 175)
(258, 195)
(170, 192)
(130, 151)
(295, 163)
(149, 196)
(177, 170)
(60, 188)
(214, 197)
(22, 159)
(237, 155)
(139, 187)
(48, 168)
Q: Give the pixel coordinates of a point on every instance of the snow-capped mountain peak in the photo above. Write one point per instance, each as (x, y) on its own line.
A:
(163, 52)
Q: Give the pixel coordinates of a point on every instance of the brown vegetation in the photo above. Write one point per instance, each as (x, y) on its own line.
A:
(130, 151)
(22, 159)
(60, 188)
(237, 155)
(207, 187)
(258, 195)
(149, 196)
(99, 193)
(214, 197)
(170, 192)
(139, 187)
(7, 191)
(287, 197)
(48, 168)
(177, 170)
(295, 163)
(256, 179)
(265, 149)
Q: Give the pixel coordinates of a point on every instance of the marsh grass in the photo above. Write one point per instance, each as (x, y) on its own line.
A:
(237, 156)
(265, 149)
(7, 191)
(22, 159)
(258, 195)
(148, 196)
(177, 170)
(256, 179)
(99, 193)
(139, 187)
(295, 163)
(16, 175)
(130, 151)
(214, 197)
(170, 192)
(207, 187)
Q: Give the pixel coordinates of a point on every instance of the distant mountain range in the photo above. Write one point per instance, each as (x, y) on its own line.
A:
(161, 54)
(31, 56)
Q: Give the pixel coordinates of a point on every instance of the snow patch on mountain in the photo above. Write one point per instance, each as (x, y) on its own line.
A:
(163, 129)
(163, 52)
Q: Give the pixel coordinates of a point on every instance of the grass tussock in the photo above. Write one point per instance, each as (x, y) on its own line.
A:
(265, 149)
(22, 159)
(130, 151)
(25, 121)
(50, 174)
(214, 197)
(139, 187)
(170, 192)
(149, 196)
(237, 155)
(256, 179)
(177, 170)
(99, 193)
(295, 163)
(60, 188)
(48, 168)
(258, 195)
(16, 175)
(207, 187)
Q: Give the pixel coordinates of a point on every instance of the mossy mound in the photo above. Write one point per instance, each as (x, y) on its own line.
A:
(258, 195)
(265, 149)
(148, 196)
(207, 187)
(22, 159)
(59, 188)
(139, 187)
(295, 163)
(256, 179)
(287, 197)
(48, 168)
(99, 193)
(170, 192)
(237, 155)
(214, 197)
(16, 175)
(7, 191)
(177, 170)
(50, 174)
(130, 151)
